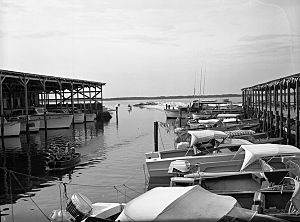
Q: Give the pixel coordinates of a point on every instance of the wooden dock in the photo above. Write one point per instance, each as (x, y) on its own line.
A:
(276, 103)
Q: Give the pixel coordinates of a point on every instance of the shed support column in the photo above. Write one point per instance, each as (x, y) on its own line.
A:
(281, 111)
(258, 102)
(72, 101)
(1, 105)
(90, 95)
(297, 112)
(83, 93)
(288, 125)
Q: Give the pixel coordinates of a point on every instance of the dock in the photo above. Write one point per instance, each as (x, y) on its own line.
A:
(20, 90)
(276, 103)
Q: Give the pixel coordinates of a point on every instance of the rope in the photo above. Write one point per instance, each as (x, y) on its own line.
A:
(11, 197)
(61, 208)
(30, 197)
(132, 189)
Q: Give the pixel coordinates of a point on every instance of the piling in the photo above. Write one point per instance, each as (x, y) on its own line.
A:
(155, 136)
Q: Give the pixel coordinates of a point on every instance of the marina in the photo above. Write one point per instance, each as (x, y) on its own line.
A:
(143, 110)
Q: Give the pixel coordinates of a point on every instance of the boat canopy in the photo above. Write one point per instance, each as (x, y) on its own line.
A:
(191, 203)
(203, 136)
(256, 151)
(228, 115)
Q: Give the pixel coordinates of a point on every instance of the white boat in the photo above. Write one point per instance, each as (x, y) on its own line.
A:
(11, 128)
(191, 203)
(33, 126)
(175, 112)
(54, 120)
(90, 117)
(78, 117)
(219, 162)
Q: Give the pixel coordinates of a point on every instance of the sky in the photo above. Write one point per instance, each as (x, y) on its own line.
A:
(153, 47)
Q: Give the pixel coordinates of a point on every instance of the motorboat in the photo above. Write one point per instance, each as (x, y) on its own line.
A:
(64, 163)
(11, 128)
(268, 193)
(78, 116)
(191, 203)
(33, 125)
(175, 112)
(54, 120)
(247, 157)
(90, 117)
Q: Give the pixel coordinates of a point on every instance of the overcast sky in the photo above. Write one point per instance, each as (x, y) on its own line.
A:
(153, 47)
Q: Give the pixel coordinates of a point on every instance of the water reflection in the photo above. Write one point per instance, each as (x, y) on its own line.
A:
(22, 158)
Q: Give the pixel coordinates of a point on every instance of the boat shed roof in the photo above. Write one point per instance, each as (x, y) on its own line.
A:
(13, 80)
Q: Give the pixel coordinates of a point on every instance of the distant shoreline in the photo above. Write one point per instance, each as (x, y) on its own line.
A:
(171, 97)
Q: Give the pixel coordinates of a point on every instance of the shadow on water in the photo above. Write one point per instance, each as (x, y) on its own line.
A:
(22, 164)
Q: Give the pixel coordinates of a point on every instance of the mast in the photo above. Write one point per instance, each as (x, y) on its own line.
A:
(204, 79)
(200, 82)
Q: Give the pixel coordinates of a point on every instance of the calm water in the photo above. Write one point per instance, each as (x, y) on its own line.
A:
(111, 168)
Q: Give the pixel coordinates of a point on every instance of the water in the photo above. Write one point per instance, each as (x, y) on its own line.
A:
(111, 169)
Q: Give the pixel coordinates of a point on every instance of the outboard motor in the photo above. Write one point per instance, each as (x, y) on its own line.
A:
(78, 208)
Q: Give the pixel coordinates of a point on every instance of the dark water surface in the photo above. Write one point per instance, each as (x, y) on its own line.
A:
(111, 168)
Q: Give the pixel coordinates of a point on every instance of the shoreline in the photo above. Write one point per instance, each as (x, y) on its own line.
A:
(171, 97)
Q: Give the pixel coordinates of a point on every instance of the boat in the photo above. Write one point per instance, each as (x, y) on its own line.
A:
(11, 128)
(78, 116)
(64, 163)
(191, 203)
(214, 107)
(268, 193)
(54, 120)
(224, 124)
(175, 112)
(160, 169)
(90, 117)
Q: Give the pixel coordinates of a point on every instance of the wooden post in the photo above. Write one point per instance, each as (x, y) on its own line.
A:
(297, 88)
(90, 94)
(281, 111)
(155, 136)
(288, 113)
(83, 95)
(1, 106)
(72, 101)
(258, 102)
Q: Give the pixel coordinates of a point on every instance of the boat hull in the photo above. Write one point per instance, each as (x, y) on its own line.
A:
(90, 117)
(54, 121)
(34, 126)
(78, 117)
(11, 129)
(63, 165)
(174, 113)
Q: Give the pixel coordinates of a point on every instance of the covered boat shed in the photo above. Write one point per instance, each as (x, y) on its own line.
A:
(20, 90)
(276, 103)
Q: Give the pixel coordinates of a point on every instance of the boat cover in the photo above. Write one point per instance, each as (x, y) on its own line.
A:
(231, 120)
(208, 121)
(201, 136)
(228, 115)
(256, 151)
(191, 203)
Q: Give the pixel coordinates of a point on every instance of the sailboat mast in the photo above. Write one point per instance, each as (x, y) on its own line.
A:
(204, 79)
(200, 82)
